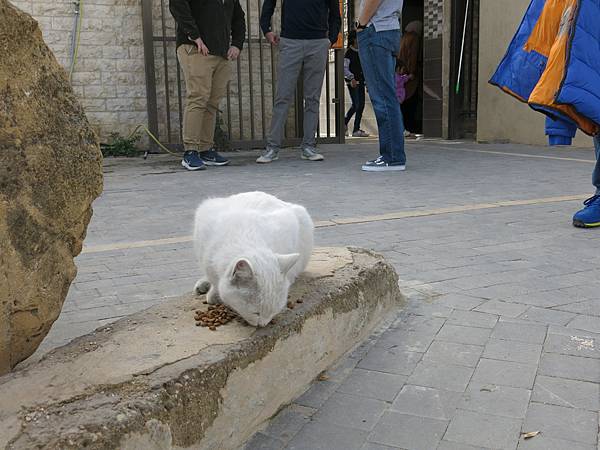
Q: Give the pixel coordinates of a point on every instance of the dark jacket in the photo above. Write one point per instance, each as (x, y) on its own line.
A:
(352, 67)
(304, 19)
(219, 23)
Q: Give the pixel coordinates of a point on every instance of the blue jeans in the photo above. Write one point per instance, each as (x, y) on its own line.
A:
(596, 174)
(357, 95)
(377, 52)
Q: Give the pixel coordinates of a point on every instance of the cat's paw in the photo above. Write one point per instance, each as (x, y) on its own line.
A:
(201, 287)
(212, 297)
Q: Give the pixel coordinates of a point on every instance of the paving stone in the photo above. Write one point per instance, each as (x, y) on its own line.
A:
(453, 353)
(410, 341)
(483, 430)
(421, 324)
(409, 432)
(317, 394)
(463, 335)
(459, 301)
(588, 307)
(423, 308)
(372, 446)
(564, 392)
(473, 319)
(262, 442)
(288, 422)
(501, 308)
(441, 376)
(371, 384)
(565, 366)
(446, 445)
(518, 331)
(325, 436)
(542, 442)
(426, 402)
(505, 373)
(351, 411)
(587, 323)
(515, 351)
(563, 423)
(496, 400)
(390, 361)
(548, 316)
(575, 345)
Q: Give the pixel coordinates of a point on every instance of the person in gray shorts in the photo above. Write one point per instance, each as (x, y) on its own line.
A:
(308, 29)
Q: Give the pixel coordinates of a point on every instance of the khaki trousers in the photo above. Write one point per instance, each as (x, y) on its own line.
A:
(206, 79)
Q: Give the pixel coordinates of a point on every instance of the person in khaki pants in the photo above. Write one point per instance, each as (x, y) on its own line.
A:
(210, 34)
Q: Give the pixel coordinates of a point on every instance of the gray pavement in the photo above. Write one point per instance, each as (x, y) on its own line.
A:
(501, 334)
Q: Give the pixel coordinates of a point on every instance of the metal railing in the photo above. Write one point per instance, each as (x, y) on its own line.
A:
(246, 111)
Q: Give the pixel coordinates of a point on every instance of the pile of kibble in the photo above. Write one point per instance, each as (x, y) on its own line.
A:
(216, 316)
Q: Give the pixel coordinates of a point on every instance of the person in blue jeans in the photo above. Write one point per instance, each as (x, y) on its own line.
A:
(378, 30)
(589, 216)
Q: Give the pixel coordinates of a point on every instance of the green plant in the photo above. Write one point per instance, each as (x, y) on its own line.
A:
(121, 146)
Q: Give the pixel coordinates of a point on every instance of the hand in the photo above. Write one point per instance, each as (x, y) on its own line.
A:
(202, 49)
(272, 38)
(353, 83)
(233, 53)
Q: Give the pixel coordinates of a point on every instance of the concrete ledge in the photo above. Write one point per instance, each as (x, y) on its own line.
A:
(156, 381)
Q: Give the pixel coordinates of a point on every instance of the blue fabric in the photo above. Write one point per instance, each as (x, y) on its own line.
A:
(560, 132)
(581, 86)
(378, 56)
(596, 174)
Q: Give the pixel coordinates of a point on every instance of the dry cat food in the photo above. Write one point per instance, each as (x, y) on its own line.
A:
(216, 316)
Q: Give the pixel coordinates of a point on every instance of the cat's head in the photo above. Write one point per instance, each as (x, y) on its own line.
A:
(257, 288)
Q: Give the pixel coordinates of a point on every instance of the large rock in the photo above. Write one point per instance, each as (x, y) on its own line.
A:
(50, 172)
(155, 381)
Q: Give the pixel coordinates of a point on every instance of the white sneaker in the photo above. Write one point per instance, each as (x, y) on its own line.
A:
(360, 133)
(269, 155)
(310, 154)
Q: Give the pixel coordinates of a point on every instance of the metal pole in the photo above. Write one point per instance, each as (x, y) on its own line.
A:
(149, 67)
(462, 48)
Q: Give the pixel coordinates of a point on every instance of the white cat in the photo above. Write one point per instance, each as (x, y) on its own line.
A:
(251, 247)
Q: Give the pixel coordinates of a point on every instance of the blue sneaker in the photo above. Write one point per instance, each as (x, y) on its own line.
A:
(213, 158)
(192, 161)
(588, 217)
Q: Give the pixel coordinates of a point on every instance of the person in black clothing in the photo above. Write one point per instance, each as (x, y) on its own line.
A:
(355, 80)
(210, 34)
(308, 29)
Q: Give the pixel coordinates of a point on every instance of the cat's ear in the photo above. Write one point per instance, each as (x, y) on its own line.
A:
(242, 272)
(286, 262)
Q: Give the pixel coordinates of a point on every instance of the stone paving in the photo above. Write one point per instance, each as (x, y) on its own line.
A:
(501, 333)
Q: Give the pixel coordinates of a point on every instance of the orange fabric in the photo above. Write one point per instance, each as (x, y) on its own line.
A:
(550, 37)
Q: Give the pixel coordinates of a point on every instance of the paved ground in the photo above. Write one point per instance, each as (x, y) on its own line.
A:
(501, 334)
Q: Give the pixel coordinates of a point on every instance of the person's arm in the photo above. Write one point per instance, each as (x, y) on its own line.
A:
(347, 74)
(238, 26)
(182, 13)
(369, 9)
(335, 21)
(266, 16)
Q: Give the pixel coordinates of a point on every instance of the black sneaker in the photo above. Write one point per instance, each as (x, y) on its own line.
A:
(380, 165)
(191, 161)
(213, 158)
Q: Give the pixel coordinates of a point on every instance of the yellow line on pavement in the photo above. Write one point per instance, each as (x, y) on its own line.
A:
(522, 155)
(354, 220)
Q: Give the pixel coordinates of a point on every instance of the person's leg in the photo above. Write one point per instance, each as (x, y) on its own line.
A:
(220, 80)
(596, 174)
(589, 216)
(377, 52)
(197, 73)
(288, 70)
(315, 63)
(360, 105)
(353, 96)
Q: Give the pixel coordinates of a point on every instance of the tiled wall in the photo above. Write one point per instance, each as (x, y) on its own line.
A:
(432, 68)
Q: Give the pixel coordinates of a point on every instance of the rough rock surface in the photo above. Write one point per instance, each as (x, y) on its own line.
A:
(156, 381)
(50, 172)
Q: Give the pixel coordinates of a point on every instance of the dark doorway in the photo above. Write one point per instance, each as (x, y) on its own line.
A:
(412, 108)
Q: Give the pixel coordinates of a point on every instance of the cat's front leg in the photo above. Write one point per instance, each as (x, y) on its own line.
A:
(213, 297)
(202, 286)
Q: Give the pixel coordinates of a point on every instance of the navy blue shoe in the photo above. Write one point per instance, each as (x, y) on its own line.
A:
(192, 161)
(213, 158)
(588, 217)
(380, 165)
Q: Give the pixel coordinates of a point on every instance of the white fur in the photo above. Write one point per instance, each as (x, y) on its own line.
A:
(251, 247)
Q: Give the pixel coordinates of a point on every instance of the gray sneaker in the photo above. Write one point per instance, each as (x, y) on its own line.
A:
(270, 154)
(310, 154)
